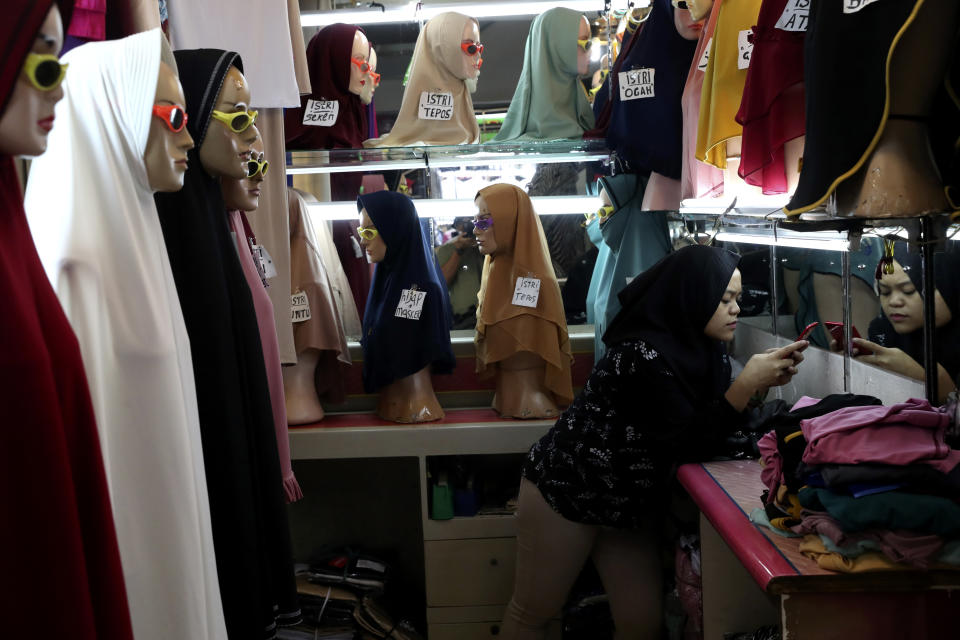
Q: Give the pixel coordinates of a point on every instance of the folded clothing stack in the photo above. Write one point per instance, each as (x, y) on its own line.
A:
(346, 567)
(870, 487)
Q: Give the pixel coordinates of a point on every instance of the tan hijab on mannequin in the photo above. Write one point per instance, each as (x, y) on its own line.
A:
(504, 329)
(439, 64)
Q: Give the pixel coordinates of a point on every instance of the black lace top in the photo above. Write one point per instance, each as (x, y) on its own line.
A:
(609, 457)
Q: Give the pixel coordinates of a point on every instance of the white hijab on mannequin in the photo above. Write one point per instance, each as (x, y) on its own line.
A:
(92, 215)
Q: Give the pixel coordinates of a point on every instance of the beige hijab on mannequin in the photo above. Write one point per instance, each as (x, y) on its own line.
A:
(437, 65)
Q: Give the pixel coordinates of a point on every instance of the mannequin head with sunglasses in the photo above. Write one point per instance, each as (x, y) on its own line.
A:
(471, 43)
(373, 79)
(168, 141)
(226, 146)
(28, 116)
(583, 47)
(359, 63)
(244, 194)
(686, 24)
(371, 241)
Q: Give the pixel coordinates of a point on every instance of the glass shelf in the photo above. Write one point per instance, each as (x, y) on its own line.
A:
(428, 157)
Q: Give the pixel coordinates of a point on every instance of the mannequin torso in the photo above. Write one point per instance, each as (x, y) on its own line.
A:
(520, 390)
(410, 399)
(299, 390)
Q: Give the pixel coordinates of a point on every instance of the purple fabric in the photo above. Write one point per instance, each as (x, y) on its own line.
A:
(903, 433)
(772, 473)
(271, 354)
(89, 20)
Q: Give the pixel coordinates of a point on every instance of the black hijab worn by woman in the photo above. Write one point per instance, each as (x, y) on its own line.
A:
(250, 530)
(946, 277)
(669, 305)
(394, 348)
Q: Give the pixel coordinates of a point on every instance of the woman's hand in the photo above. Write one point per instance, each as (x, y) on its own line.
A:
(889, 358)
(772, 368)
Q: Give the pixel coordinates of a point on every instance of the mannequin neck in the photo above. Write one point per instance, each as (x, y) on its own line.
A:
(410, 399)
(300, 391)
(520, 389)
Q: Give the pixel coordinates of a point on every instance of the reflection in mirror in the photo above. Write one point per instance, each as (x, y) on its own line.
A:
(756, 297)
(894, 339)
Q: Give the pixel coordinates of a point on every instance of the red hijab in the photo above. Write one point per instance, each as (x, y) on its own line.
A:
(328, 56)
(58, 540)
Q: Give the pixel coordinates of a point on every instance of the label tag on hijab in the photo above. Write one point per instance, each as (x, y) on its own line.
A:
(526, 293)
(321, 113)
(705, 58)
(299, 307)
(266, 261)
(636, 83)
(746, 49)
(410, 305)
(794, 16)
(436, 105)
(852, 6)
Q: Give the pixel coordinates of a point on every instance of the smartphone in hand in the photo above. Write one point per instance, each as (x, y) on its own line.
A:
(836, 332)
(806, 330)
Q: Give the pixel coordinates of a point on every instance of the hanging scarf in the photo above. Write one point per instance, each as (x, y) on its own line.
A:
(437, 66)
(397, 347)
(550, 102)
(250, 531)
(58, 537)
(505, 329)
(647, 132)
(668, 307)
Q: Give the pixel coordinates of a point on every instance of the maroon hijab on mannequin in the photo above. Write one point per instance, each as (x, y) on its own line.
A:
(59, 548)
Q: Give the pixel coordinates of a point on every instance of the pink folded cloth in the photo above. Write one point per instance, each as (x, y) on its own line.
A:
(772, 472)
(904, 433)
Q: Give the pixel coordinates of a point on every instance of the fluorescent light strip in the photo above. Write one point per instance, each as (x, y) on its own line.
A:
(408, 13)
(780, 240)
(543, 205)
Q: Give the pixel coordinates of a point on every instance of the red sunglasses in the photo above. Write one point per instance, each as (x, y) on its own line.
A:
(172, 115)
(472, 48)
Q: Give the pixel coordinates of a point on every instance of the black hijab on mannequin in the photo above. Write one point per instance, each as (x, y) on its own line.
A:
(669, 305)
(250, 530)
(946, 277)
(394, 348)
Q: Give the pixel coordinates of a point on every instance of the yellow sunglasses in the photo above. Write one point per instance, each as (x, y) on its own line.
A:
(368, 233)
(44, 71)
(237, 121)
(257, 165)
(585, 44)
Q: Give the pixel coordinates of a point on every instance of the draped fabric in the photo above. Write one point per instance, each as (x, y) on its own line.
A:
(59, 541)
(250, 530)
(550, 102)
(647, 132)
(668, 307)
(603, 102)
(397, 347)
(505, 329)
(437, 66)
(99, 238)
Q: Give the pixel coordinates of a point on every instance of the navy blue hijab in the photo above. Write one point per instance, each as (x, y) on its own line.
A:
(395, 348)
(648, 132)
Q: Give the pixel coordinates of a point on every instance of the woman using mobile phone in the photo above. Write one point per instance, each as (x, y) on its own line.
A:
(596, 484)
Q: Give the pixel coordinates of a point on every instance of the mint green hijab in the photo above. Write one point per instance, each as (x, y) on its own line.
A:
(550, 102)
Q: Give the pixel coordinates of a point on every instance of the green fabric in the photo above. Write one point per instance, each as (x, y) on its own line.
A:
(550, 102)
(888, 510)
(466, 283)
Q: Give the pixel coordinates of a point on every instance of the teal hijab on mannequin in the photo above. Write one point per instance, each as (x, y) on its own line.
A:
(550, 102)
(630, 242)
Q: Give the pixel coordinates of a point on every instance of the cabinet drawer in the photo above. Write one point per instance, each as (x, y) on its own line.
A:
(469, 572)
(479, 631)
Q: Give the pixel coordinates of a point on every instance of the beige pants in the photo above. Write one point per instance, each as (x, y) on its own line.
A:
(552, 550)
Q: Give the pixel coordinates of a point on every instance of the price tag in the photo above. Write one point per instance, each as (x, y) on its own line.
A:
(363, 563)
(299, 307)
(410, 305)
(526, 293)
(436, 105)
(746, 49)
(852, 6)
(267, 268)
(705, 58)
(794, 16)
(636, 84)
(321, 113)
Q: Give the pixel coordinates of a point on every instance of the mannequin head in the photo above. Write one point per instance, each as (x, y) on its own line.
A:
(699, 9)
(723, 324)
(583, 55)
(902, 303)
(28, 117)
(166, 152)
(366, 93)
(471, 64)
(486, 238)
(361, 52)
(687, 27)
(244, 194)
(376, 248)
(223, 152)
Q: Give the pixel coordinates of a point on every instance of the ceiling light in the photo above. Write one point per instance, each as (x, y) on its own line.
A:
(409, 13)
